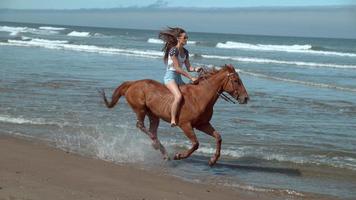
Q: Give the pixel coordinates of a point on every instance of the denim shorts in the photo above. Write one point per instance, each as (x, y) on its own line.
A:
(173, 75)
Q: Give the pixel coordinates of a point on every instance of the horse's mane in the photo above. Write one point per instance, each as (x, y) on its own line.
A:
(208, 72)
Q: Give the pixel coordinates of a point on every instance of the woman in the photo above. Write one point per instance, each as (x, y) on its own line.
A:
(175, 56)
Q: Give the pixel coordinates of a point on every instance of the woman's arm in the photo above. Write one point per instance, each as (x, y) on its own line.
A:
(179, 69)
(189, 67)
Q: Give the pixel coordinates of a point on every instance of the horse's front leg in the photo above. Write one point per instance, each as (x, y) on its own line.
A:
(209, 129)
(189, 132)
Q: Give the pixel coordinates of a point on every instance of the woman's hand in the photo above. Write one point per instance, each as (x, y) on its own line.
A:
(194, 80)
(198, 69)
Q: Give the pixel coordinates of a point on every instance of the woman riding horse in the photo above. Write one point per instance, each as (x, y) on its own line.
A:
(175, 56)
(151, 98)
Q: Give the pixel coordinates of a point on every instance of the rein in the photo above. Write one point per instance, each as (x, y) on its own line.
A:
(220, 94)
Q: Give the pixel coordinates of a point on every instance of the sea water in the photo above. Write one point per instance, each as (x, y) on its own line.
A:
(295, 136)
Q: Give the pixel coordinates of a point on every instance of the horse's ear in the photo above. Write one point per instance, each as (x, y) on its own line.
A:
(231, 67)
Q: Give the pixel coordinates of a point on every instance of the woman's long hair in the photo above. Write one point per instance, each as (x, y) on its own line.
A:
(169, 36)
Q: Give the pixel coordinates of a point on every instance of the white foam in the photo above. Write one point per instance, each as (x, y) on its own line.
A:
(14, 31)
(239, 45)
(79, 34)
(52, 28)
(155, 41)
(284, 48)
(33, 121)
(98, 35)
(266, 154)
(159, 41)
(20, 120)
(313, 84)
(44, 41)
(262, 60)
(25, 38)
(269, 190)
(63, 45)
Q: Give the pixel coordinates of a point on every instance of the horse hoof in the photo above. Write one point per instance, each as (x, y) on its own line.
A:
(155, 145)
(177, 156)
(173, 124)
(166, 157)
(212, 162)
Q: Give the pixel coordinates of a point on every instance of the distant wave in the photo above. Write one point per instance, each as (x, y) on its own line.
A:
(155, 41)
(158, 41)
(79, 34)
(52, 28)
(285, 48)
(262, 60)
(14, 31)
(64, 45)
(44, 41)
(313, 84)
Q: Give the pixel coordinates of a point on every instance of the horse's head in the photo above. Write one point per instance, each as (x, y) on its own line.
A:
(233, 85)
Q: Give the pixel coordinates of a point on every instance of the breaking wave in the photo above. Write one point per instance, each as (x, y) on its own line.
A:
(307, 49)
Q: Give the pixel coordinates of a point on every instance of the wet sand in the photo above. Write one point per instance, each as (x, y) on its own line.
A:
(30, 170)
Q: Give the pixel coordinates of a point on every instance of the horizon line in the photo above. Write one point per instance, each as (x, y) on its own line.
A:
(205, 32)
(252, 8)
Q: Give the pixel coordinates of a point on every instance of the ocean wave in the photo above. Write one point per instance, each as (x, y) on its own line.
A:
(155, 41)
(261, 153)
(307, 83)
(20, 120)
(271, 61)
(263, 189)
(307, 49)
(159, 41)
(64, 45)
(52, 28)
(33, 121)
(79, 34)
(14, 31)
(44, 41)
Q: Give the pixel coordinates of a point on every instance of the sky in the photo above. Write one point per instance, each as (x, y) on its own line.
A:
(302, 18)
(77, 4)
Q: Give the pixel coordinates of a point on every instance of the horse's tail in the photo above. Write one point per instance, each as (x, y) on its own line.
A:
(120, 91)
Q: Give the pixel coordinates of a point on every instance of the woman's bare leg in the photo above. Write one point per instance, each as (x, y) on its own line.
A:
(173, 87)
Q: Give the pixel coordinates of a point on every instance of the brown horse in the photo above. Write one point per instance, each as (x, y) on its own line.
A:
(151, 98)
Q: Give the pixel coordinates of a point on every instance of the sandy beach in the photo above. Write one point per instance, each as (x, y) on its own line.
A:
(32, 170)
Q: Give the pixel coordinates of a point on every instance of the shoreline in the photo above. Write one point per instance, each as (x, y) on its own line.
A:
(33, 170)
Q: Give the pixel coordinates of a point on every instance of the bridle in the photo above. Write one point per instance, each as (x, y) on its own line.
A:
(221, 94)
(224, 96)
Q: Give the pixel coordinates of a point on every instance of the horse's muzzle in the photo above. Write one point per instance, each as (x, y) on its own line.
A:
(243, 100)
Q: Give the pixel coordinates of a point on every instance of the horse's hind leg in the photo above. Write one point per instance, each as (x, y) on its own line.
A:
(141, 114)
(152, 132)
(154, 122)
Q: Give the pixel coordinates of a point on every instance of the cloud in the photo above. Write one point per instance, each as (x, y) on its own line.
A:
(158, 4)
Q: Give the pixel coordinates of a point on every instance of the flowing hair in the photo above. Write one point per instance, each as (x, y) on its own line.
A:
(169, 37)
